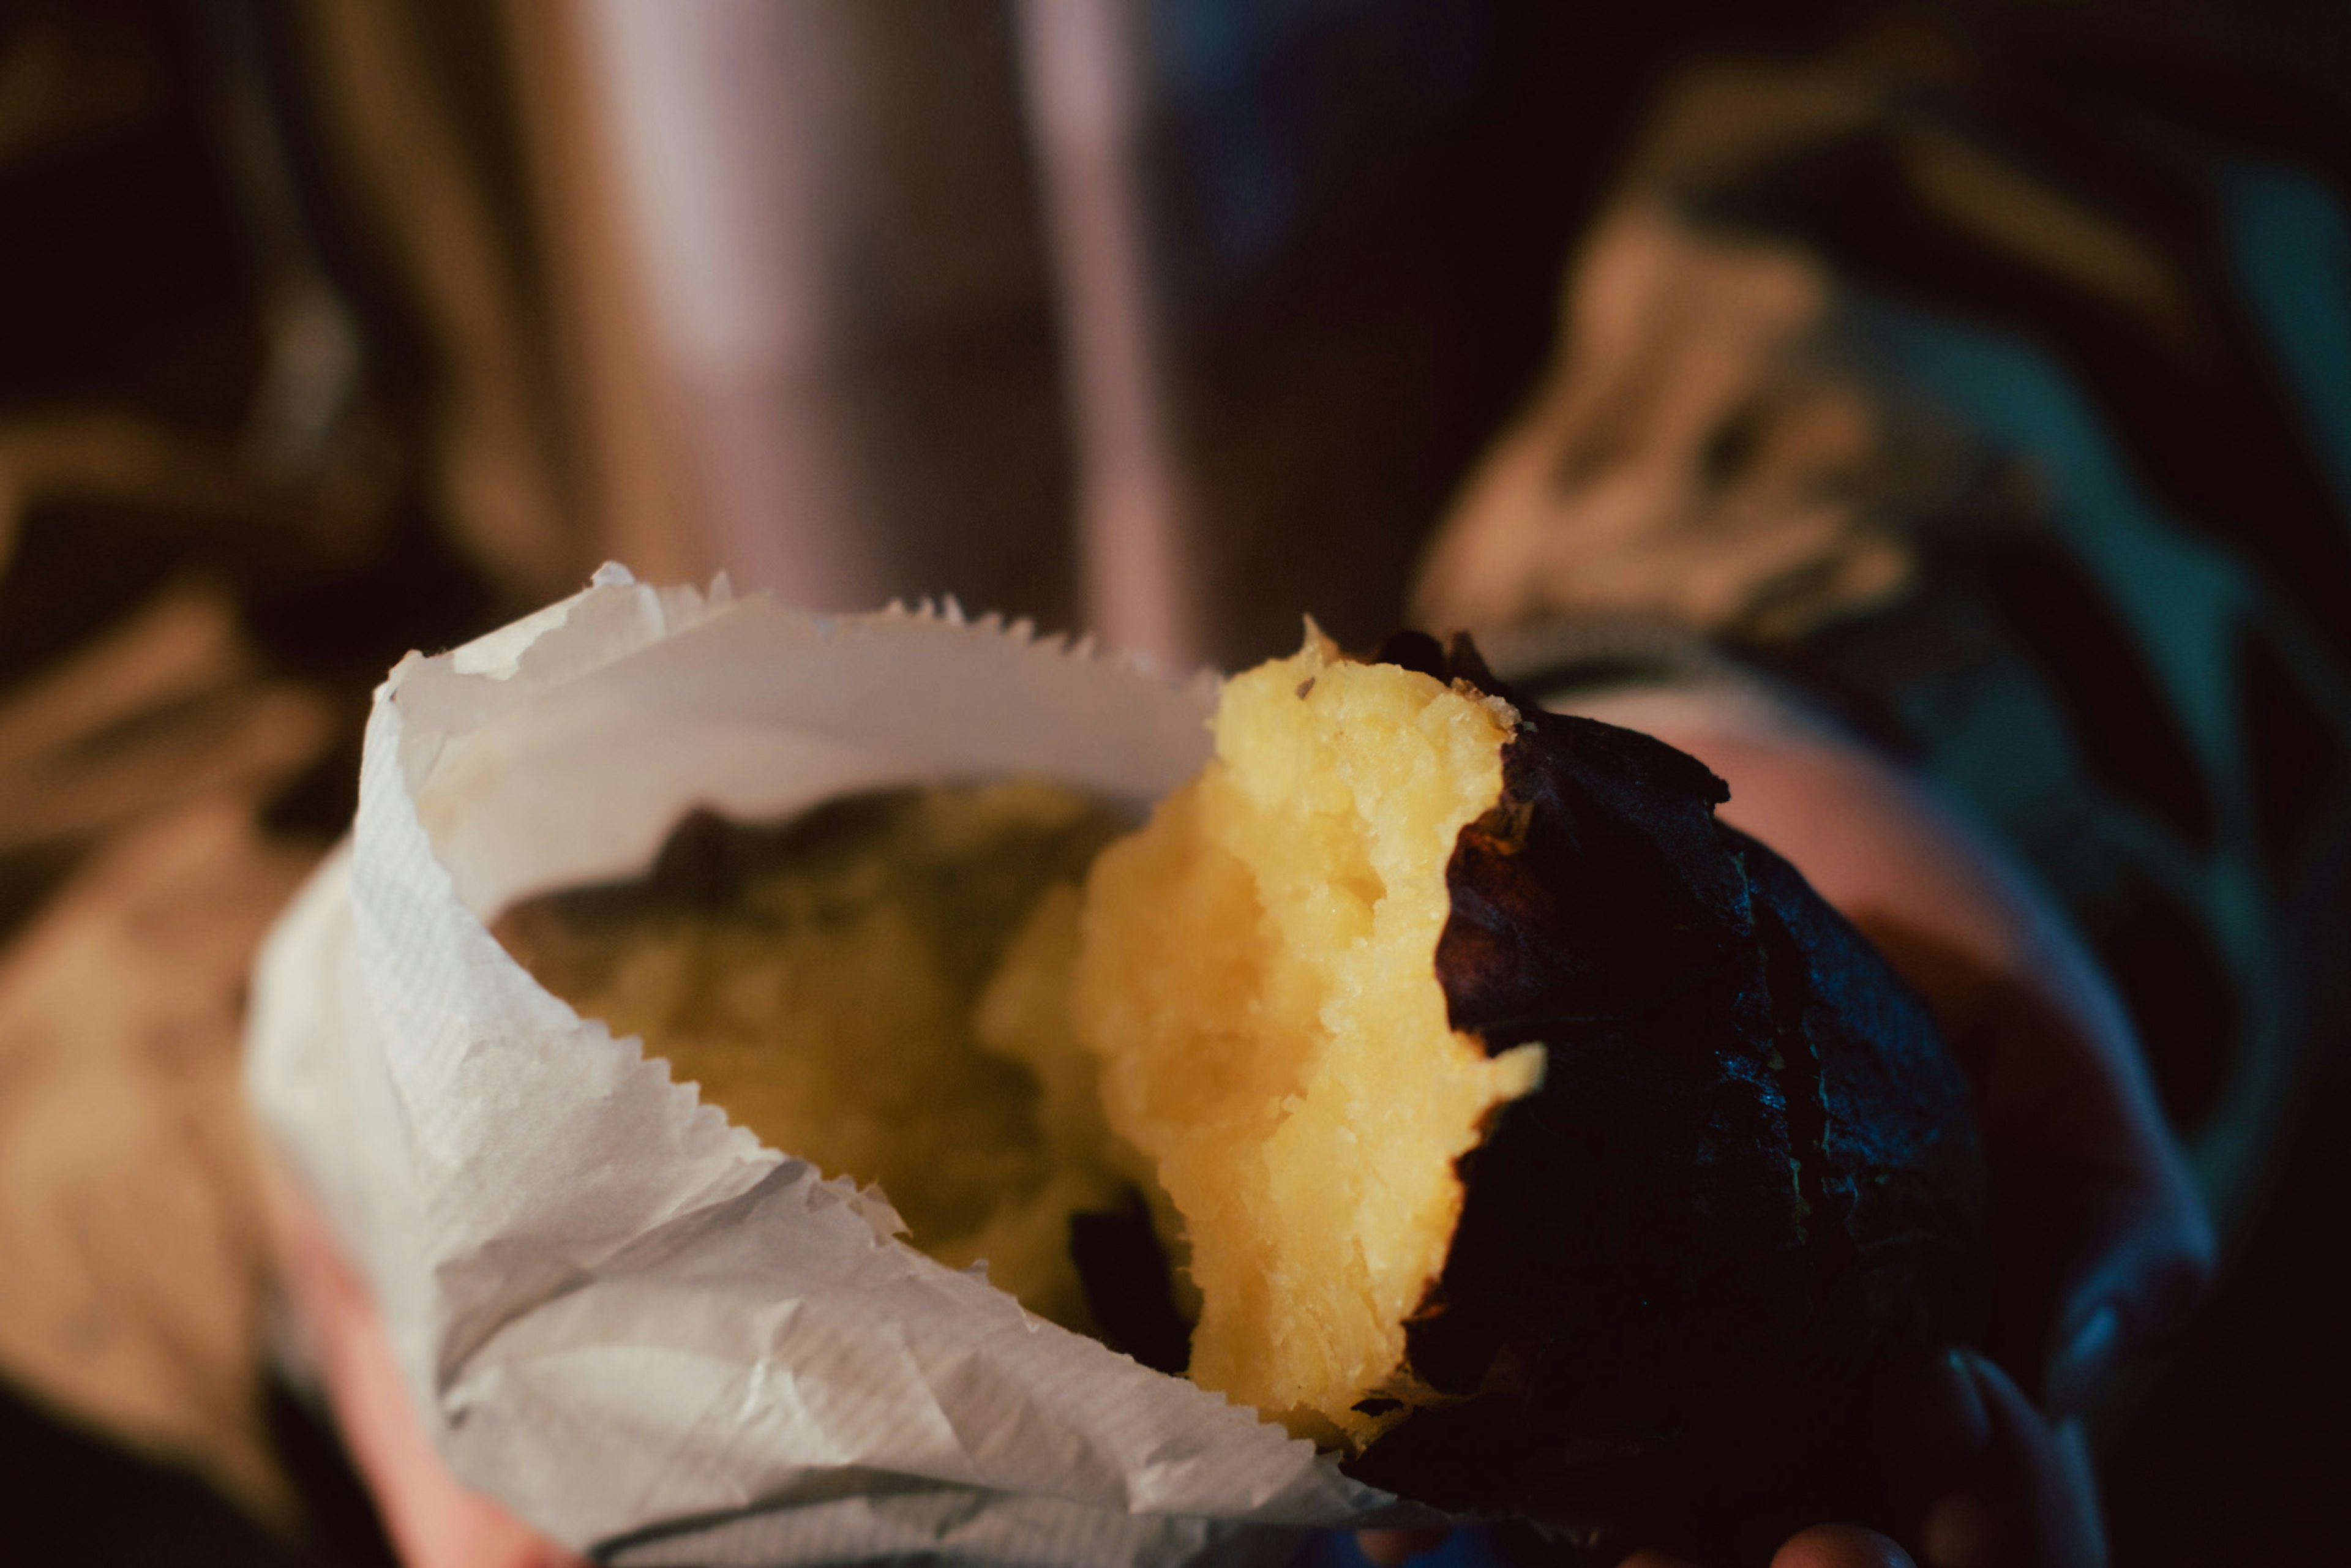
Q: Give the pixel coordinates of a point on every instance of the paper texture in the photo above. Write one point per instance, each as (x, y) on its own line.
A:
(624, 1318)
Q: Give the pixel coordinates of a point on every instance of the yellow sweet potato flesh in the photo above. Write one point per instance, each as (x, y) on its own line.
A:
(835, 1005)
(1258, 978)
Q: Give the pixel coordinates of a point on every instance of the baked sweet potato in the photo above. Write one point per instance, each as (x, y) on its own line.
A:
(1571, 1167)
(1516, 1128)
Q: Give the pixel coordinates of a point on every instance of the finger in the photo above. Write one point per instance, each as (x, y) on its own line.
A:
(1390, 1547)
(1980, 1477)
(1840, 1546)
(1822, 1546)
(2104, 1247)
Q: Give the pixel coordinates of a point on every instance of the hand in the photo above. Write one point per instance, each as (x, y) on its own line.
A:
(432, 1520)
(2101, 1245)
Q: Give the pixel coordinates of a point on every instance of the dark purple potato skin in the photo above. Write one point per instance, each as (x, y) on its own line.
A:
(1750, 1178)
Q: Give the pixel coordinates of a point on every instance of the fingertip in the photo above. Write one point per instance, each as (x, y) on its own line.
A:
(2180, 1279)
(2022, 1494)
(1959, 1532)
(1840, 1546)
(2087, 1352)
(2157, 1271)
(1388, 1548)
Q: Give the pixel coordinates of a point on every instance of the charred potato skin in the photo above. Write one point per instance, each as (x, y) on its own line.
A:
(1749, 1178)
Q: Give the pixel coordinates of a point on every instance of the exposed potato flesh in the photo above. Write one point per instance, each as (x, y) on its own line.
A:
(829, 993)
(1258, 977)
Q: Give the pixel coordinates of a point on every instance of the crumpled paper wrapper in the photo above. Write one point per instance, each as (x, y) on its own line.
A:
(648, 1335)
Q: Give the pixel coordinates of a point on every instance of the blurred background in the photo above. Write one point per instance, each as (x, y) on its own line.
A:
(1981, 369)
